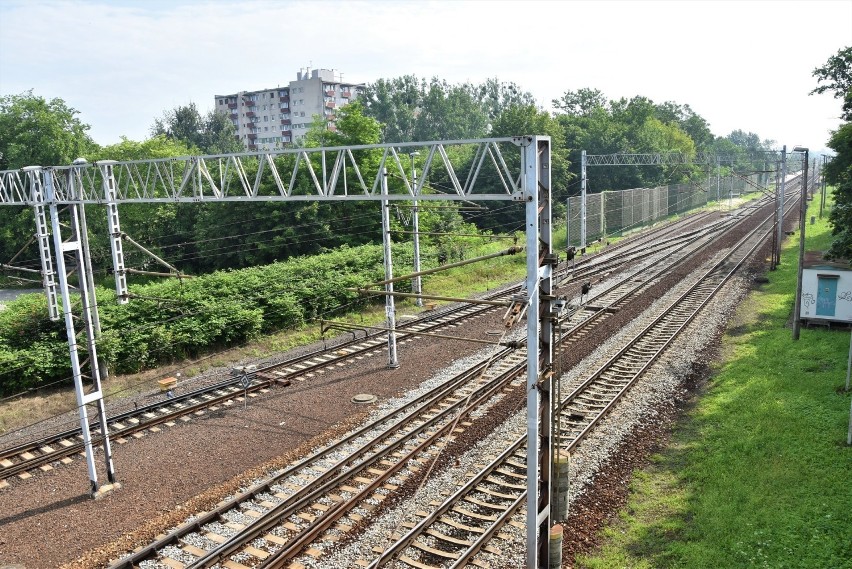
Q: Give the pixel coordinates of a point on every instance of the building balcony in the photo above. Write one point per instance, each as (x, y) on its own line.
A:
(232, 105)
(249, 102)
(252, 146)
(329, 105)
(285, 121)
(285, 99)
(252, 136)
(346, 94)
(249, 113)
(329, 93)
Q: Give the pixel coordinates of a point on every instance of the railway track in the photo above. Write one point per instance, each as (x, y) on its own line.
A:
(460, 527)
(46, 452)
(266, 527)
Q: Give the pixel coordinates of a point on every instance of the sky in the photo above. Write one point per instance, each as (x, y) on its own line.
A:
(739, 64)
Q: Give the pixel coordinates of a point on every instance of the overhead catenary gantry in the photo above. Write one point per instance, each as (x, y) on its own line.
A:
(495, 169)
(669, 159)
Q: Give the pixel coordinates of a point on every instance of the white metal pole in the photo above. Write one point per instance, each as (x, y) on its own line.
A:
(92, 325)
(849, 365)
(719, 182)
(116, 247)
(92, 321)
(536, 180)
(781, 200)
(42, 235)
(82, 398)
(803, 209)
(583, 199)
(731, 190)
(415, 226)
(393, 362)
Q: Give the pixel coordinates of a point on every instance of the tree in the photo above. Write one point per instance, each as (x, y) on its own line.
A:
(839, 172)
(235, 235)
(580, 103)
(35, 132)
(410, 109)
(837, 75)
(160, 227)
(212, 133)
(629, 126)
(527, 119)
(689, 121)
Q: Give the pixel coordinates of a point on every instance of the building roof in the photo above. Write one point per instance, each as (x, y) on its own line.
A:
(816, 260)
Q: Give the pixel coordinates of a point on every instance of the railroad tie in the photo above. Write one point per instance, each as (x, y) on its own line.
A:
(416, 564)
(437, 552)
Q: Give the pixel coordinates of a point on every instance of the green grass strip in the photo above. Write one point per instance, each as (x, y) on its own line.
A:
(758, 474)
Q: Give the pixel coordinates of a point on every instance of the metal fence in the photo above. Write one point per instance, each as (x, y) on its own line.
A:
(612, 213)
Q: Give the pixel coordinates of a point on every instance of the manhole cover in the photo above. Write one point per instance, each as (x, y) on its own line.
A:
(364, 398)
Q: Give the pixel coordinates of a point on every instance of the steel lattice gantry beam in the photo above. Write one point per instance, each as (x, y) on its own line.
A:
(307, 174)
(494, 169)
(671, 158)
(660, 159)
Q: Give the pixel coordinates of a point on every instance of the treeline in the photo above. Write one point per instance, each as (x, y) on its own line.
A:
(199, 238)
(835, 77)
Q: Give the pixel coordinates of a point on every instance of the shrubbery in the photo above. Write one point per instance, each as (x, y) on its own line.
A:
(172, 320)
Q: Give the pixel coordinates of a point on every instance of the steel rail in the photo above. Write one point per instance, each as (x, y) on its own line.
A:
(461, 559)
(449, 416)
(393, 419)
(34, 446)
(206, 518)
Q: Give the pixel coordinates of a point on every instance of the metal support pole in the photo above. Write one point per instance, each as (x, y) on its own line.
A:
(393, 362)
(775, 244)
(84, 396)
(781, 201)
(822, 189)
(848, 375)
(582, 200)
(416, 284)
(719, 182)
(536, 188)
(114, 231)
(42, 236)
(567, 222)
(731, 189)
(803, 210)
(849, 366)
(92, 321)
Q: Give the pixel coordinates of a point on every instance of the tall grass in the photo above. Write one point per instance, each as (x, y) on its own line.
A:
(758, 474)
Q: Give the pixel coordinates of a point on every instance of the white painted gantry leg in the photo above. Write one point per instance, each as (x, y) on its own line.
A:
(77, 245)
(540, 262)
(390, 308)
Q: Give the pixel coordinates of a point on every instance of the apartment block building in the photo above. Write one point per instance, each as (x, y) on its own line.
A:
(272, 118)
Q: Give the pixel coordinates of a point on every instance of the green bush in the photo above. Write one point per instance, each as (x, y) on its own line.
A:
(171, 320)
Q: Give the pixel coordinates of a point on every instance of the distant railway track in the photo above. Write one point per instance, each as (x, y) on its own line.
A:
(278, 520)
(453, 534)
